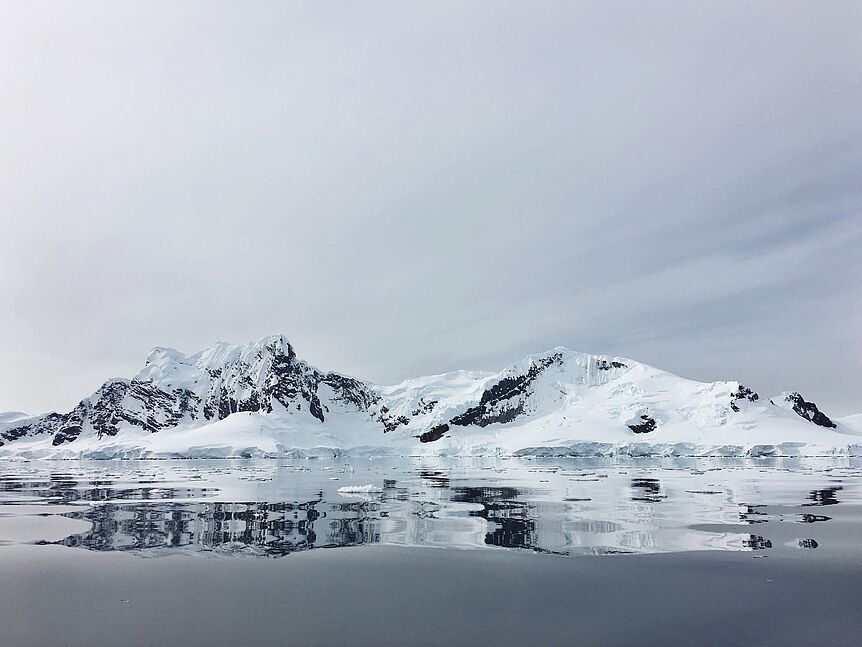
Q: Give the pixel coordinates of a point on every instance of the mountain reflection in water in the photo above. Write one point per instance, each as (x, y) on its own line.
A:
(273, 508)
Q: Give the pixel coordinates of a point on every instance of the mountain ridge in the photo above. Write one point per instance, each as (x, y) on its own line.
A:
(558, 398)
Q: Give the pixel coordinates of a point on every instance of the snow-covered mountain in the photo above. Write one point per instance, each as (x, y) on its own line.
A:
(261, 399)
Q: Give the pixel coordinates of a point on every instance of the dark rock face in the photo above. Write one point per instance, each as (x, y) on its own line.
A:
(142, 404)
(505, 401)
(644, 427)
(434, 434)
(136, 402)
(391, 422)
(47, 424)
(742, 393)
(290, 380)
(809, 411)
(44, 425)
(17, 432)
(72, 424)
(424, 407)
(350, 391)
(293, 379)
(605, 365)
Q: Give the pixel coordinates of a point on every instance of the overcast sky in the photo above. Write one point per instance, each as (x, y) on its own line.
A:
(407, 188)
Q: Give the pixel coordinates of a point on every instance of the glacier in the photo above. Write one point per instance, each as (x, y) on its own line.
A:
(260, 399)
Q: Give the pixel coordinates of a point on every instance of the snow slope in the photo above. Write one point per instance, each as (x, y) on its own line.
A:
(851, 423)
(259, 399)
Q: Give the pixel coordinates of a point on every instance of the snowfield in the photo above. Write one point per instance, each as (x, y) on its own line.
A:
(260, 400)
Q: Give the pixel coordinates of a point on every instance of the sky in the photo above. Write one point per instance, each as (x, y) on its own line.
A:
(407, 188)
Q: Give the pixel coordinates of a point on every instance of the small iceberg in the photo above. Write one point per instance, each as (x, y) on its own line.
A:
(361, 489)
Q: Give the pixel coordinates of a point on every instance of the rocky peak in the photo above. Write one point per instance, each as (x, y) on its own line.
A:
(808, 410)
(174, 389)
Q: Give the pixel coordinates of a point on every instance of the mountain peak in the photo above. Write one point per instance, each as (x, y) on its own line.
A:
(163, 360)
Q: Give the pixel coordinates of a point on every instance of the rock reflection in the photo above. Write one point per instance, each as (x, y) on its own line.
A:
(813, 518)
(825, 496)
(63, 489)
(270, 528)
(647, 489)
(756, 542)
(435, 478)
(511, 517)
(752, 514)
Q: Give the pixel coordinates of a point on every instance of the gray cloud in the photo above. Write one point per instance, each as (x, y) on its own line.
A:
(406, 188)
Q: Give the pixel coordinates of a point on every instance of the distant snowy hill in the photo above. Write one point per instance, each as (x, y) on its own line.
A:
(260, 399)
(853, 423)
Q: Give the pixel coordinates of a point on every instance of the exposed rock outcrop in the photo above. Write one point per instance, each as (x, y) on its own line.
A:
(742, 393)
(647, 425)
(434, 434)
(808, 410)
(504, 401)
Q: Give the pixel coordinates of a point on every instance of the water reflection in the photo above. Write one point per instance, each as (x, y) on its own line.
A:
(275, 508)
(510, 517)
(825, 496)
(647, 490)
(756, 542)
(752, 514)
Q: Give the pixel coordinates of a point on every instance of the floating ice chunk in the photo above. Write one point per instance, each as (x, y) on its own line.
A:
(362, 489)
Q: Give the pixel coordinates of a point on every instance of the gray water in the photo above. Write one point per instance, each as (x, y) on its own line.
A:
(639, 551)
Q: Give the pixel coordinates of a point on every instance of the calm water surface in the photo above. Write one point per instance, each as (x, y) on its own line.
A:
(431, 552)
(273, 508)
